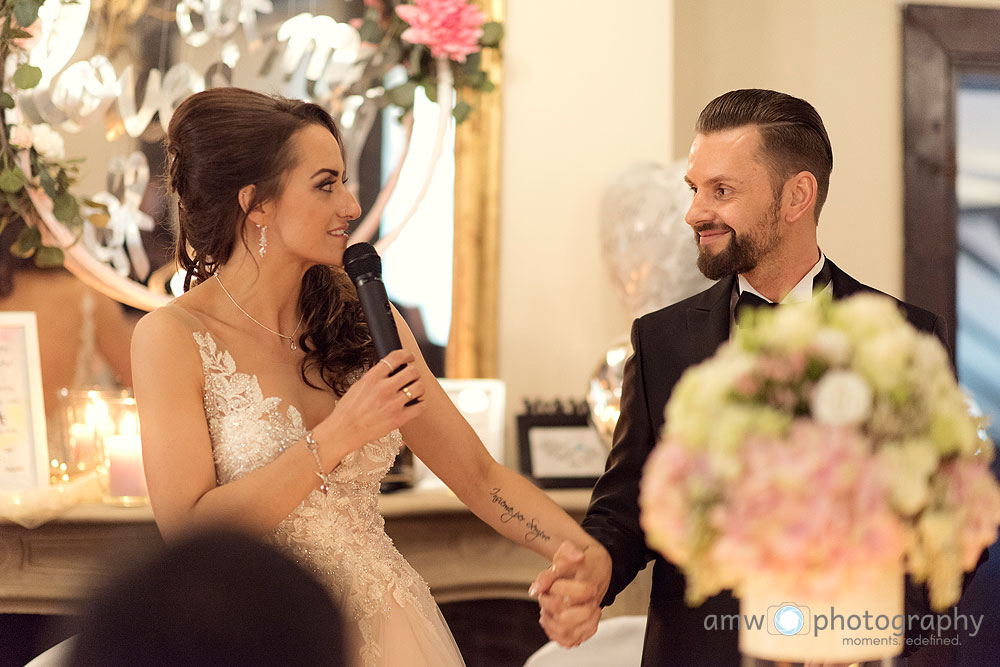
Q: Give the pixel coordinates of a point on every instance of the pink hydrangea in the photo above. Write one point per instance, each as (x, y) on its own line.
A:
(450, 28)
(810, 508)
(971, 488)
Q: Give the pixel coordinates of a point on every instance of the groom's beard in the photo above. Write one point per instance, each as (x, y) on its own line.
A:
(744, 251)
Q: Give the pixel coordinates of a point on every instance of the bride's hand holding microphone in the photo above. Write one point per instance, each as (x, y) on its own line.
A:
(380, 401)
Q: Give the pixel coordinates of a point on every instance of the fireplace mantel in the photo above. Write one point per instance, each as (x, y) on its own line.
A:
(50, 569)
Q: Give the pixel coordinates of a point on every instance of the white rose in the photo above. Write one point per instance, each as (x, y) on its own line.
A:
(48, 143)
(793, 327)
(832, 345)
(841, 398)
(865, 315)
(885, 357)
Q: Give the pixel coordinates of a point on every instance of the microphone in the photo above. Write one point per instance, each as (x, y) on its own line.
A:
(364, 268)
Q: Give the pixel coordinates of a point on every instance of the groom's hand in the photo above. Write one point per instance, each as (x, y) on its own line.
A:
(570, 592)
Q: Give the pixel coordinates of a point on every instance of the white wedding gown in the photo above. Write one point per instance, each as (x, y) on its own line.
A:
(391, 618)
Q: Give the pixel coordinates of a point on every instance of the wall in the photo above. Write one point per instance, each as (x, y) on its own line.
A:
(587, 89)
(843, 56)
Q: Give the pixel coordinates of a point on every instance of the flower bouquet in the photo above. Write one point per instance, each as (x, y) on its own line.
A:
(816, 457)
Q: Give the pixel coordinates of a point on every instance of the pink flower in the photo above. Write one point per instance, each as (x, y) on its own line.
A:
(972, 489)
(810, 508)
(450, 28)
(21, 135)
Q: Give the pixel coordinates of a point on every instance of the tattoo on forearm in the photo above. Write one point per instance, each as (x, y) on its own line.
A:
(509, 512)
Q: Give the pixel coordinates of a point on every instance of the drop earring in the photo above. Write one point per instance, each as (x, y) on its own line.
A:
(263, 240)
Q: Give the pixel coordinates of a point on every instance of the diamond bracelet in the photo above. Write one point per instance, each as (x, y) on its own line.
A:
(313, 447)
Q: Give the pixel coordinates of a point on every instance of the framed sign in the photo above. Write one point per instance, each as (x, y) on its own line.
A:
(483, 403)
(23, 445)
(560, 450)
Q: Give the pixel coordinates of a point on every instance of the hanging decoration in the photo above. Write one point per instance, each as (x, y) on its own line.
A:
(48, 88)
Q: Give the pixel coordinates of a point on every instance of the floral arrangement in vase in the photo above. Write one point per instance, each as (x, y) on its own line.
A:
(827, 441)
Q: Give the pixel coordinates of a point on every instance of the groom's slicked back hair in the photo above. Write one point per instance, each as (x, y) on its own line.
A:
(793, 137)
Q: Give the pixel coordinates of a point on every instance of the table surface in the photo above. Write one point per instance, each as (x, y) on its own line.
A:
(403, 503)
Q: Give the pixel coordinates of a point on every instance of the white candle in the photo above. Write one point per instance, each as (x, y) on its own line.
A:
(81, 444)
(123, 454)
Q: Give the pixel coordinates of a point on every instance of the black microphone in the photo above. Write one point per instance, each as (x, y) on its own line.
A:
(364, 268)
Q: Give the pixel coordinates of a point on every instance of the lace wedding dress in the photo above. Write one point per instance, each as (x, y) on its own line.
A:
(391, 618)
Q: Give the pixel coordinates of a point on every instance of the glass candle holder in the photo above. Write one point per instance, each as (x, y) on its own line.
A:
(119, 455)
(83, 416)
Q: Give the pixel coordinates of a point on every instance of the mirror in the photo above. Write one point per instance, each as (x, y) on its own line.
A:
(114, 70)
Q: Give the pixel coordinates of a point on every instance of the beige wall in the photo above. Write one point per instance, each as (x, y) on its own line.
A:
(587, 89)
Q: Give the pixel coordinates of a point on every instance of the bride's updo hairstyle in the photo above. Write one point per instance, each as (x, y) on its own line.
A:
(220, 141)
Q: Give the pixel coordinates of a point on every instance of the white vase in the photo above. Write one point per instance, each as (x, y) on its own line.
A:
(859, 623)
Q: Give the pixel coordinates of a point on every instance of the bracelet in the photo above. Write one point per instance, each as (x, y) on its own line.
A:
(313, 447)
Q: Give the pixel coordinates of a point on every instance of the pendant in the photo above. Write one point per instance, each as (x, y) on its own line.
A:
(293, 346)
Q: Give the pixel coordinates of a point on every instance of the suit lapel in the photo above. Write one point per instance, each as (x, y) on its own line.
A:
(844, 285)
(708, 320)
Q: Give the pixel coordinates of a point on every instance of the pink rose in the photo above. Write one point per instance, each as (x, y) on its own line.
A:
(450, 28)
(21, 136)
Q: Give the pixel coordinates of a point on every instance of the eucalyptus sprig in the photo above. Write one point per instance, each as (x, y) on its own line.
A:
(55, 176)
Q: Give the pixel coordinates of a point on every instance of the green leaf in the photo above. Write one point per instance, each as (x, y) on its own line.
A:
(492, 34)
(6, 101)
(461, 111)
(370, 31)
(402, 95)
(11, 179)
(49, 185)
(26, 242)
(65, 208)
(48, 257)
(27, 76)
(430, 89)
(26, 12)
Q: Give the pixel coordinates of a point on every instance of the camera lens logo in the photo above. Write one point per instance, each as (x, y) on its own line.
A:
(788, 619)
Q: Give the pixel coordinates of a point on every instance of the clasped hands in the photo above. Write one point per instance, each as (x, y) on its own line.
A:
(569, 592)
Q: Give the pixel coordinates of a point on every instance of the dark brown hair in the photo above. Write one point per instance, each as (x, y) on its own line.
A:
(222, 140)
(793, 137)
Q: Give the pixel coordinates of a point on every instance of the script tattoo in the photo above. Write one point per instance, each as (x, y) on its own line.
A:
(509, 512)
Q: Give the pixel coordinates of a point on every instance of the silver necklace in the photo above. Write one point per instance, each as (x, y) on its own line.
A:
(290, 339)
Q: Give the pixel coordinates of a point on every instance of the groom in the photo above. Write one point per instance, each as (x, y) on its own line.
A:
(759, 171)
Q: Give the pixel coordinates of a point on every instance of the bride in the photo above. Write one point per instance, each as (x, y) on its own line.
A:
(262, 403)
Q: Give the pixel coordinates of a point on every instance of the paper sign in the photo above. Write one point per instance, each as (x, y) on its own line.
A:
(23, 445)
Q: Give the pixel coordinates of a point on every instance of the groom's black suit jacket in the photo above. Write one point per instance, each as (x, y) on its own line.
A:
(665, 344)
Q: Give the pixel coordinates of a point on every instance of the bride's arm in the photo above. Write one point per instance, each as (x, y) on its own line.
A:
(177, 451)
(515, 508)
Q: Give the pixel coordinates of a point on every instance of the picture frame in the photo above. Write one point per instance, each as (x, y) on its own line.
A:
(24, 461)
(483, 403)
(560, 450)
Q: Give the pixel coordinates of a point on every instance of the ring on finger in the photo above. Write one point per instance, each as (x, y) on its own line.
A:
(388, 365)
(406, 391)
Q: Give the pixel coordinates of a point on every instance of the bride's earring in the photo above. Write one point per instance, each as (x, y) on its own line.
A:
(263, 240)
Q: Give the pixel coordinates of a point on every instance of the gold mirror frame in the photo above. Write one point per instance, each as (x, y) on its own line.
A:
(472, 341)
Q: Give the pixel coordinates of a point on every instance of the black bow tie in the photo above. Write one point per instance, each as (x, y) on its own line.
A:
(748, 299)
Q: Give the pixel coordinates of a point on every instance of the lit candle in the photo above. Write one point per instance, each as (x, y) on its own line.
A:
(123, 454)
(81, 444)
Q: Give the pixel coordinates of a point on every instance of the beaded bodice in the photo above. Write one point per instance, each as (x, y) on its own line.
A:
(339, 535)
